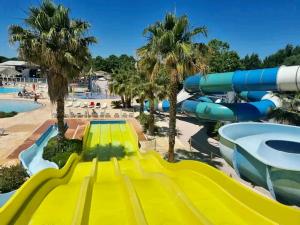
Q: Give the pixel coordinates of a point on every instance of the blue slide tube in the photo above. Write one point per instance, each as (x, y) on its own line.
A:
(251, 85)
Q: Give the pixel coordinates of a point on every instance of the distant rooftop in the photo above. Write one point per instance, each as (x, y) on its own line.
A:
(104, 74)
(16, 63)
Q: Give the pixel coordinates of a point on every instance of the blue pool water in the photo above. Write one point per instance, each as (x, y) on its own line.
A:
(4, 90)
(18, 105)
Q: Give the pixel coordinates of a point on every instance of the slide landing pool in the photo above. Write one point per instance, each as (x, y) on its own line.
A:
(139, 189)
(265, 154)
(110, 134)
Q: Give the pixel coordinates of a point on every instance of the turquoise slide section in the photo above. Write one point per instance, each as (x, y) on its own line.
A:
(250, 85)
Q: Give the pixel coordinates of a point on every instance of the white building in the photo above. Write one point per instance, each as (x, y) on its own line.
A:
(21, 68)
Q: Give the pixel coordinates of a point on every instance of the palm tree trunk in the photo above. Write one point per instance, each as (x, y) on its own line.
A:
(151, 116)
(142, 105)
(172, 117)
(123, 101)
(60, 111)
(128, 102)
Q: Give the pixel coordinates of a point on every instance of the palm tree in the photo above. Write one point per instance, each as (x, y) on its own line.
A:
(123, 84)
(58, 44)
(149, 65)
(141, 89)
(170, 41)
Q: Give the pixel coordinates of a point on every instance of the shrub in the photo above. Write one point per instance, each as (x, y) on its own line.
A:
(104, 153)
(11, 178)
(116, 104)
(285, 116)
(7, 114)
(60, 152)
(144, 120)
(212, 129)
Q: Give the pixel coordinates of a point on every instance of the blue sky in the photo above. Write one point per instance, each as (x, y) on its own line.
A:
(249, 26)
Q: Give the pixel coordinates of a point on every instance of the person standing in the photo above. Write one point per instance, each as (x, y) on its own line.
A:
(35, 97)
(33, 87)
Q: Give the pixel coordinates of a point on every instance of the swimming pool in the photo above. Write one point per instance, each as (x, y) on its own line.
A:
(4, 90)
(17, 105)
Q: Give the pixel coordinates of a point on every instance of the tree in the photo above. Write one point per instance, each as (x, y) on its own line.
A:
(292, 60)
(123, 84)
(112, 62)
(170, 41)
(277, 59)
(149, 65)
(58, 44)
(251, 62)
(4, 59)
(221, 58)
(100, 63)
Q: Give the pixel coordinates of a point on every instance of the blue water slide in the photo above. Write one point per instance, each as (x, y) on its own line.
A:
(250, 85)
(32, 157)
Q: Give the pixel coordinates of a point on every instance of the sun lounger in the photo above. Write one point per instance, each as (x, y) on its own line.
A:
(92, 105)
(84, 105)
(124, 115)
(104, 106)
(79, 115)
(131, 115)
(2, 131)
(98, 105)
(107, 115)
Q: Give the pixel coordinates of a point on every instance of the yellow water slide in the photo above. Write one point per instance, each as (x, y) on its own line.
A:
(140, 189)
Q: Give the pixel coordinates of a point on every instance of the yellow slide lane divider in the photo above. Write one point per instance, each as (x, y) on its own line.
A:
(81, 214)
(273, 211)
(194, 215)
(136, 210)
(225, 199)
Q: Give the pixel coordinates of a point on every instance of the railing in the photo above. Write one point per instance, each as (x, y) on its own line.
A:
(18, 80)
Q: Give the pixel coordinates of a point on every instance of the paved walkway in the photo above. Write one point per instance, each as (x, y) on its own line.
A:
(21, 126)
(75, 131)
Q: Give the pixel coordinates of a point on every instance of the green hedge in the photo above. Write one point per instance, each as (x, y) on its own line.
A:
(11, 178)
(60, 152)
(7, 114)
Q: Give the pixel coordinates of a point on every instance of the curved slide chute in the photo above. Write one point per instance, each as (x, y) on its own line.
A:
(249, 84)
(135, 190)
(138, 190)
